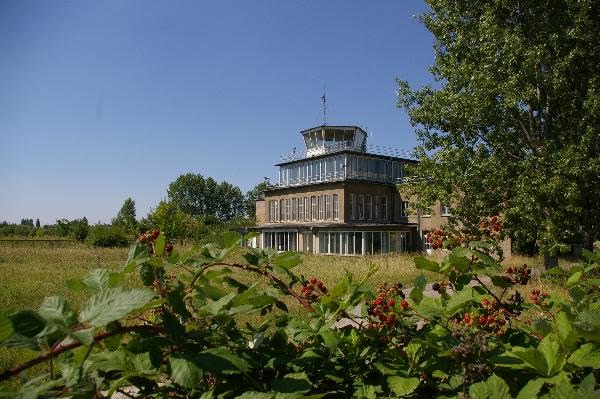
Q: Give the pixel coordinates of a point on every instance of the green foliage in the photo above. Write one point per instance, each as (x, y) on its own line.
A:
(108, 236)
(126, 216)
(252, 196)
(198, 196)
(79, 229)
(511, 127)
(195, 330)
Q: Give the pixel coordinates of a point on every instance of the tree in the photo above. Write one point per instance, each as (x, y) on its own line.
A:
(254, 195)
(169, 219)
(126, 216)
(511, 125)
(197, 196)
(79, 229)
(37, 223)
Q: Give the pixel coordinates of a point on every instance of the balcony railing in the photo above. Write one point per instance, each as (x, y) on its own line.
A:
(338, 176)
(345, 146)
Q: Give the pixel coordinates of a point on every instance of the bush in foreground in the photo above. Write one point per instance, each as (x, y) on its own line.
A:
(189, 332)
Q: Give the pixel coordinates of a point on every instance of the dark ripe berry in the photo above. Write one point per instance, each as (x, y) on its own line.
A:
(169, 248)
(390, 320)
(323, 289)
(509, 270)
(501, 322)
(155, 234)
(436, 286)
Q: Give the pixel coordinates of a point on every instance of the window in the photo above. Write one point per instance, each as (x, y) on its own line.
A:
(294, 209)
(287, 209)
(306, 210)
(321, 207)
(281, 240)
(270, 211)
(276, 211)
(361, 207)
(405, 207)
(328, 207)
(336, 207)
(281, 210)
(313, 205)
(380, 208)
(300, 209)
(368, 206)
(445, 210)
(351, 206)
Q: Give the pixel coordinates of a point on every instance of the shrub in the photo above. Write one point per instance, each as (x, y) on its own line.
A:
(189, 332)
(108, 236)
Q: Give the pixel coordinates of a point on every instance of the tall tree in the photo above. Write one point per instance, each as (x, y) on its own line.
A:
(512, 124)
(197, 196)
(126, 216)
(37, 223)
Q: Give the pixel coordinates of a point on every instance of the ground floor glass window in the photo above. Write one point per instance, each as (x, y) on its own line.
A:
(281, 240)
(373, 242)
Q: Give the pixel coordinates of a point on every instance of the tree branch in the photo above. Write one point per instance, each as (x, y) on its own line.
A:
(58, 349)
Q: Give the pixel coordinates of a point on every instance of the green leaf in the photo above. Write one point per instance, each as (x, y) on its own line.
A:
(591, 256)
(75, 284)
(531, 389)
(423, 263)
(27, 323)
(84, 336)
(501, 281)
(220, 360)
(113, 304)
(460, 262)
(533, 358)
(184, 372)
(416, 294)
(216, 306)
(287, 260)
(458, 301)
(493, 388)
(6, 327)
(56, 309)
(291, 383)
(403, 386)
(159, 244)
(231, 239)
(329, 337)
(147, 275)
(574, 279)
(588, 355)
(566, 334)
(486, 259)
(96, 280)
(550, 349)
(588, 325)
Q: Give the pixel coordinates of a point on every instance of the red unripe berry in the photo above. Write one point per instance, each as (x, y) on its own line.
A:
(391, 302)
(502, 322)
(490, 319)
(313, 280)
(509, 270)
(390, 320)
(155, 234)
(482, 320)
(404, 304)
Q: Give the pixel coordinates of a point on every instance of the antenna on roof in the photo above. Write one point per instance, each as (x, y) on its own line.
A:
(324, 98)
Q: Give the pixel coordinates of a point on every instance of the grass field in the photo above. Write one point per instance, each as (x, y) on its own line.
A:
(28, 274)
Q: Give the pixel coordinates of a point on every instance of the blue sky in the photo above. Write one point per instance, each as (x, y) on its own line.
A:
(104, 100)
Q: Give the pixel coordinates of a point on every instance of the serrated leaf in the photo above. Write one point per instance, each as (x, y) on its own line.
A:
(147, 275)
(550, 350)
(533, 358)
(591, 256)
(460, 262)
(329, 337)
(84, 336)
(416, 294)
(6, 327)
(159, 244)
(402, 386)
(566, 334)
(459, 300)
(220, 360)
(501, 281)
(287, 260)
(531, 389)
(96, 280)
(138, 254)
(423, 263)
(216, 306)
(27, 323)
(56, 309)
(113, 304)
(588, 355)
(292, 383)
(493, 388)
(184, 372)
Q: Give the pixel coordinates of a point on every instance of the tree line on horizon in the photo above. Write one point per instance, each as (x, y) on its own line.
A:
(196, 207)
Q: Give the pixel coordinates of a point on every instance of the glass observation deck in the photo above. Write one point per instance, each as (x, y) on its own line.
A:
(336, 153)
